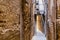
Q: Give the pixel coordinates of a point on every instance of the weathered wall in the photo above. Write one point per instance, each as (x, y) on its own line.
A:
(9, 19)
(58, 19)
(51, 20)
(27, 19)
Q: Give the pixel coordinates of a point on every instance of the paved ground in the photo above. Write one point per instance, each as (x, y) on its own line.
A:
(39, 36)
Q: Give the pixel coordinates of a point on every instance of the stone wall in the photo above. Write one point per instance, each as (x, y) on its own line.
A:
(9, 19)
(16, 20)
(58, 20)
(27, 19)
(51, 26)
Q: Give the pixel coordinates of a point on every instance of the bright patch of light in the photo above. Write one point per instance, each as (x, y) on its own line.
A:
(40, 2)
(41, 6)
